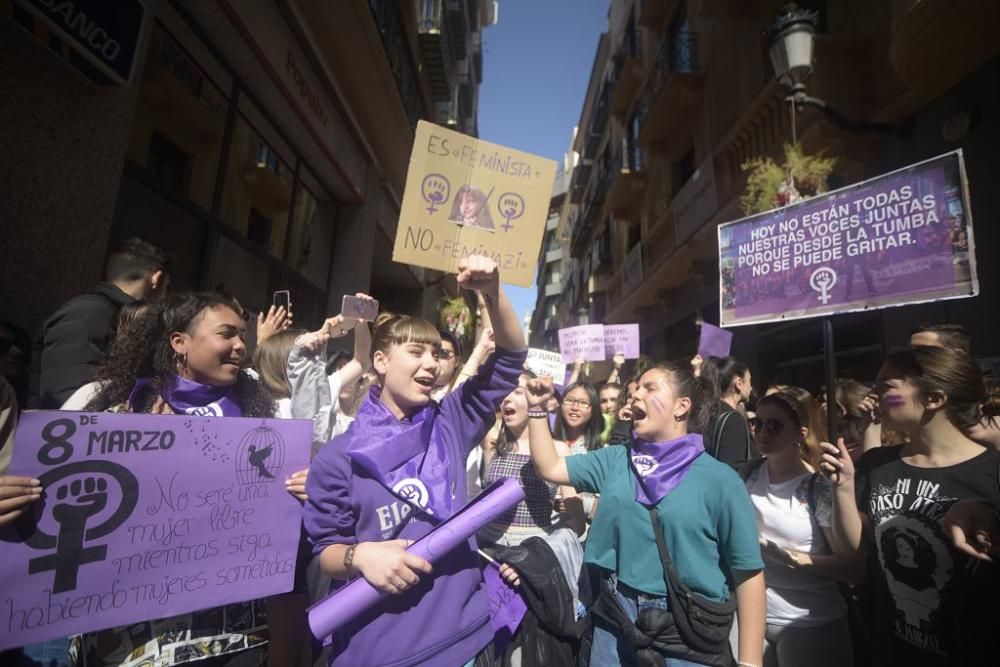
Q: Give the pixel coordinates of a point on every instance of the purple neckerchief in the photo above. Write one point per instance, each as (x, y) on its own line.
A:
(402, 456)
(660, 466)
(186, 397)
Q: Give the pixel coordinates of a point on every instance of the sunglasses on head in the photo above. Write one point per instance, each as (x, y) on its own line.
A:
(772, 426)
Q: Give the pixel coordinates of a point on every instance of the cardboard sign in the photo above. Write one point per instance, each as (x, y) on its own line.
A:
(544, 363)
(904, 237)
(714, 342)
(467, 197)
(585, 341)
(621, 338)
(145, 517)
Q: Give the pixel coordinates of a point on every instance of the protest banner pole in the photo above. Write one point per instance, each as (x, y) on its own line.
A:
(830, 363)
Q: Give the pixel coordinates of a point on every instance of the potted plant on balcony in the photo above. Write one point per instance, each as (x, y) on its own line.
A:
(772, 185)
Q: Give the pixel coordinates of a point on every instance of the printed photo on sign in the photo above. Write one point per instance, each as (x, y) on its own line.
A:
(904, 237)
(145, 517)
(468, 197)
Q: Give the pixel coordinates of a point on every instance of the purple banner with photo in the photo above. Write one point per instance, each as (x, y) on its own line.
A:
(714, 342)
(621, 338)
(585, 341)
(145, 517)
(904, 237)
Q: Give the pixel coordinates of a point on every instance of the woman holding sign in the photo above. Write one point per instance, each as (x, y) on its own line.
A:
(667, 511)
(400, 470)
(184, 357)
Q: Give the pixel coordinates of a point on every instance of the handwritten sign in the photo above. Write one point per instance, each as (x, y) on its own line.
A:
(469, 197)
(714, 342)
(543, 362)
(621, 338)
(585, 341)
(903, 237)
(145, 517)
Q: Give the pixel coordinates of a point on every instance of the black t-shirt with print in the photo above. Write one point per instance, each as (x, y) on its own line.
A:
(932, 605)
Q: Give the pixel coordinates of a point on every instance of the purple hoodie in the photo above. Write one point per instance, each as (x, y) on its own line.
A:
(445, 620)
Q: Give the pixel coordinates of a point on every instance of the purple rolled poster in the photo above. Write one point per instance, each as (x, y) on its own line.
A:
(714, 342)
(621, 338)
(346, 603)
(146, 517)
(585, 341)
(903, 237)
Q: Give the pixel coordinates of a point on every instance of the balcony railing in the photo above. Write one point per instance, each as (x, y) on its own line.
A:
(434, 37)
(627, 70)
(598, 119)
(677, 55)
(389, 23)
(458, 27)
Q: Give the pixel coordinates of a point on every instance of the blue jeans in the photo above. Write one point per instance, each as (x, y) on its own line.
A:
(610, 650)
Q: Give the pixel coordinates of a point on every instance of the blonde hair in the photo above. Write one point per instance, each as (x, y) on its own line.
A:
(271, 361)
(391, 329)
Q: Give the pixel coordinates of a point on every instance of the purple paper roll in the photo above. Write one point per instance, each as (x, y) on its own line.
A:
(340, 607)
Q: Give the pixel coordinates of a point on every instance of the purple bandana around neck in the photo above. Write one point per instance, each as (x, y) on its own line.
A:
(402, 456)
(187, 397)
(660, 466)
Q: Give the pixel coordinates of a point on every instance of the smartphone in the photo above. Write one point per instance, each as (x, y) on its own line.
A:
(359, 309)
(282, 299)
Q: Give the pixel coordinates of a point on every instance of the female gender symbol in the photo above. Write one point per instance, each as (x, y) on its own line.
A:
(435, 190)
(511, 207)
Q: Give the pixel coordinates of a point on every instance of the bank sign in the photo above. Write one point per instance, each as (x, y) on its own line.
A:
(105, 33)
(900, 238)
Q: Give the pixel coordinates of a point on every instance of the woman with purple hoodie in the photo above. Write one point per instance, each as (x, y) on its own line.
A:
(399, 471)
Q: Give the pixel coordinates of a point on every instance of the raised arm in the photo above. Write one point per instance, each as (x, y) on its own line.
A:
(483, 349)
(362, 358)
(848, 527)
(481, 274)
(550, 465)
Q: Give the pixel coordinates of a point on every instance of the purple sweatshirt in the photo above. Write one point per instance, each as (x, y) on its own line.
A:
(444, 620)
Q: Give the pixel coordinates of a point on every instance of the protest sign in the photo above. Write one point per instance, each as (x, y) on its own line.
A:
(544, 363)
(467, 197)
(146, 517)
(621, 338)
(903, 237)
(585, 341)
(714, 342)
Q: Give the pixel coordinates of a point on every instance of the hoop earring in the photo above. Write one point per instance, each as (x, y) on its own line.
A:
(181, 359)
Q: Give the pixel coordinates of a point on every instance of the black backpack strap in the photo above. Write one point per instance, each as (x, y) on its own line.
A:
(720, 426)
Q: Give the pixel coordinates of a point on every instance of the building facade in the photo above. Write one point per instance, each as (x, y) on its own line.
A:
(265, 144)
(682, 94)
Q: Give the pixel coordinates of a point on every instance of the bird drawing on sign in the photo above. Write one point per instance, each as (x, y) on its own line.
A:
(257, 458)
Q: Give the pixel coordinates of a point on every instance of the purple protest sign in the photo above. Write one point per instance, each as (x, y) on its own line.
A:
(585, 341)
(714, 342)
(146, 517)
(623, 338)
(507, 606)
(904, 237)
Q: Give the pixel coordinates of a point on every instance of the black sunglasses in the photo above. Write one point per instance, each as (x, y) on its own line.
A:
(772, 426)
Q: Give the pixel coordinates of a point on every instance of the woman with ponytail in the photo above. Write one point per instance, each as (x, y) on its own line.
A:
(924, 514)
(727, 437)
(183, 357)
(667, 512)
(806, 613)
(397, 472)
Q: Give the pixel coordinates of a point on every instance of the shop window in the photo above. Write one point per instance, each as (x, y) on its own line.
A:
(311, 239)
(257, 194)
(180, 117)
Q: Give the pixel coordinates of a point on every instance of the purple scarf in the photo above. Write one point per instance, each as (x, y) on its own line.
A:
(186, 397)
(402, 456)
(660, 466)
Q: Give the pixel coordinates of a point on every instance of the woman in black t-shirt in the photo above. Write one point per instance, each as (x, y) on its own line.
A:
(933, 604)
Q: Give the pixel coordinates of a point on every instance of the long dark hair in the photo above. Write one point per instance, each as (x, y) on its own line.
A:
(145, 352)
(722, 372)
(700, 390)
(950, 372)
(593, 429)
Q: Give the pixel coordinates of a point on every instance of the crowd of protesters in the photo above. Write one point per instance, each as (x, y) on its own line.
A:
(671, 517)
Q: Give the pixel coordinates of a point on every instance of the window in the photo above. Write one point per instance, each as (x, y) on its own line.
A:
(310, 244)
(179, 122)
(258, 185)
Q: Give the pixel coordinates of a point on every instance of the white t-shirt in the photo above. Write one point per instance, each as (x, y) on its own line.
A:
(795, 597)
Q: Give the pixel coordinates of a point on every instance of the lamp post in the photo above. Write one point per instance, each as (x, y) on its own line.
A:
(790, 47)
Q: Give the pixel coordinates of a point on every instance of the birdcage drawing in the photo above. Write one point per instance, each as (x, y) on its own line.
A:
(261, 456)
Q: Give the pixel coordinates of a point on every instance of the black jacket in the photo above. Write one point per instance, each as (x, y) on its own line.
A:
(728, 438)
(73, 341)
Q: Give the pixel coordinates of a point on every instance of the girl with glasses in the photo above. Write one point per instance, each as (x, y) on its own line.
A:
(806, 613)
